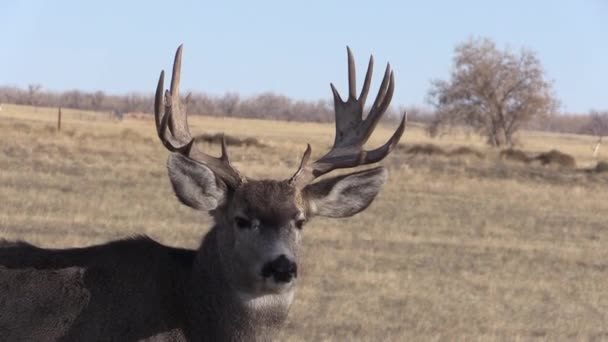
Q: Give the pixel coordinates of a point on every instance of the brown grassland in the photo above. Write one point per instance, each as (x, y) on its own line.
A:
(454, 248)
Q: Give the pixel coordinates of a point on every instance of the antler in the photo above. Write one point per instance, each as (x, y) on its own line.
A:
(177, 138)
(352, 131)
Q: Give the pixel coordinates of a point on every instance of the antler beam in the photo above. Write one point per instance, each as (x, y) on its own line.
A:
(173, 131)
(352, 131)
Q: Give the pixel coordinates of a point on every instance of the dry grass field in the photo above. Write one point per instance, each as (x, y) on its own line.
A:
(455, 248)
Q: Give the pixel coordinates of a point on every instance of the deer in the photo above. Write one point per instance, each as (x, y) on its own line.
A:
(240, 283)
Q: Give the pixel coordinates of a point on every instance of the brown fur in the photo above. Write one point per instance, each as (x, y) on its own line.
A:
(271, 201)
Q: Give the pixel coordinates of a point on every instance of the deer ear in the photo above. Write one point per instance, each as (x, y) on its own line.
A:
(194, 184)
(346, 195)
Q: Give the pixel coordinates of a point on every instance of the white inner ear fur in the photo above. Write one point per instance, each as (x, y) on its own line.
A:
(194, 184)
(344, 196)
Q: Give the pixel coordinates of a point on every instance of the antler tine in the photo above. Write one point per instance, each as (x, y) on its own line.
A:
(337, 99)
(352, 75)
(352, 132)
(177, 71)
(177, 138)
(158, 105)
(303, 165)
(380, 107)
(162, 119)
(383, 87)
(178, 121)
(367, 81)
(379, 153)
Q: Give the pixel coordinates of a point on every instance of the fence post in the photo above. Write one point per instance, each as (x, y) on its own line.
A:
(59, 120)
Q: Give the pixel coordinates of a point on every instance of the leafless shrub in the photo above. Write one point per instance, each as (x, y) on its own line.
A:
(492, 91)
(97, 102)
(32, 94)
(229, 103)
(597, 126)
(274, 106)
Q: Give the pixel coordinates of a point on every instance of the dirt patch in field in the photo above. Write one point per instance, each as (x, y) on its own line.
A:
(466, 151)
(126, 135)
(230, 140)
(422, 149)
(434, 150)
(21, 127)
(514, 155)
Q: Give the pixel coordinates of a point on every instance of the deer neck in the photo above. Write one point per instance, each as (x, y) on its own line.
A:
(218, 312)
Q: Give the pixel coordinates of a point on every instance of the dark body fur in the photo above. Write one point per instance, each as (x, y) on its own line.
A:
(125, 290)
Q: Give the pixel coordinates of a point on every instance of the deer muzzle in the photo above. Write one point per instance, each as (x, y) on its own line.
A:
(282, 269)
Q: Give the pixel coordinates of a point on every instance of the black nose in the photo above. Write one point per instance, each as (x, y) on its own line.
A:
(281, 269)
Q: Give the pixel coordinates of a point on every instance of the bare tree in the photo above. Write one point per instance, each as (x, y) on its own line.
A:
(493, 91)
(597, 126)
(266, 105)
(72, 99)
(97, 101)
(32, 93)
(229, 103)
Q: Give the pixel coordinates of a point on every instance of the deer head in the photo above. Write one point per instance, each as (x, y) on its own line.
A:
(260, 222)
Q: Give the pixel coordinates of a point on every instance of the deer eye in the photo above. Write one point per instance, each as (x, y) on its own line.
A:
(242, 223)
(300, 223)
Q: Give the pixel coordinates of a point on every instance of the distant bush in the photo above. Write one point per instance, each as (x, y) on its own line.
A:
(601, 167)
(555, 157)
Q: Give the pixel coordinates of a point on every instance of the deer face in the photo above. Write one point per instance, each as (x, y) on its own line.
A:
(260, 222)
(262, 227)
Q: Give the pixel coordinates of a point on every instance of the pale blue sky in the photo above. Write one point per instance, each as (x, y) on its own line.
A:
(293, 48)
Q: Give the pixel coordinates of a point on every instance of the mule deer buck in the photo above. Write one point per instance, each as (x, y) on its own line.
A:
(240, 283)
